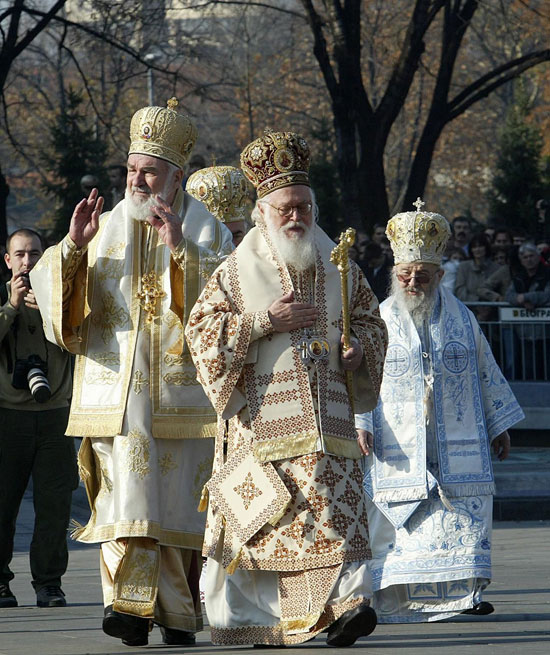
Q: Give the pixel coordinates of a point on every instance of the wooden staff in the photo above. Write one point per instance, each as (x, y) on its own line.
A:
(340, 258)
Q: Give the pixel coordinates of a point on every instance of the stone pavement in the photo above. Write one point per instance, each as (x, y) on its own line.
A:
(520, 592)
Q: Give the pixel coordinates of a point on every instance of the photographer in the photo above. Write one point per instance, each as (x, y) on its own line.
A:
(35, 389)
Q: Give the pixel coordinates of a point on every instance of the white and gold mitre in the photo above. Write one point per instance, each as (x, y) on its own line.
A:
(162, 132)
(418, 236)
(222, 189)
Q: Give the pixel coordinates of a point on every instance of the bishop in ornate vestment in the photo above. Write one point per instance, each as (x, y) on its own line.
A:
(117, 291)
(443, 405)
(286, 538)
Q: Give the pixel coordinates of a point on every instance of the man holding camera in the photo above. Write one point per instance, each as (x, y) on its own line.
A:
(35, 390)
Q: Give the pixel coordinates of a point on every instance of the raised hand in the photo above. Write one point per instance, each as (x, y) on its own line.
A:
(287, 315)
(85, 219)
(166, 223)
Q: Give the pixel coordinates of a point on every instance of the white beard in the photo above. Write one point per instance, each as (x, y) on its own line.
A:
(138, 211)
(419, 306)
(299, 252)
(141, 210)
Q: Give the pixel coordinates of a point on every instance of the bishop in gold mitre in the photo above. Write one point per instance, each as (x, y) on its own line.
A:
(224, 191)
(286, 512)
(116, 292)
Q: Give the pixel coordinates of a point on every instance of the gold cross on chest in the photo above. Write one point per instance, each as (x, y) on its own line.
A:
(151, 292)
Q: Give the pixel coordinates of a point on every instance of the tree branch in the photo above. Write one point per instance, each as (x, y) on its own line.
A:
(491, 81)
(508, 71)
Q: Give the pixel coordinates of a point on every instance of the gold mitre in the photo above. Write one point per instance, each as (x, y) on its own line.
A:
(222, 189)
(276, 160)
(418, 236)
(162, 132)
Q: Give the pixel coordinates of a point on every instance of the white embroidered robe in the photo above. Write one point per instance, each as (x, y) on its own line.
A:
(430, 480)
(135, 394)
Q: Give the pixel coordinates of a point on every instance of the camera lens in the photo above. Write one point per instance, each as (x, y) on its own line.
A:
(38, 385)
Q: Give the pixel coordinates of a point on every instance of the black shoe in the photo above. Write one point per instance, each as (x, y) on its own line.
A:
(355, 623)
(7, 599)
(174, 637)
(50, 596)
(481, 609)
(133, 630)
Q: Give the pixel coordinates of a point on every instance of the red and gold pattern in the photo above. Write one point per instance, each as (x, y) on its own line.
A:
(276, 160)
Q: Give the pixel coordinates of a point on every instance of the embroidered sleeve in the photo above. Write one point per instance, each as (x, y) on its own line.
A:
(364, 422)
(71, 257)
(261, 326)
(178, 255)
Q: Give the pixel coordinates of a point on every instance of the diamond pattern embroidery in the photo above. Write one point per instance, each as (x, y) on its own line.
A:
(247, 490)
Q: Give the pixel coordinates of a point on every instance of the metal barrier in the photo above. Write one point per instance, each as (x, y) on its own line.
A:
(519, 339)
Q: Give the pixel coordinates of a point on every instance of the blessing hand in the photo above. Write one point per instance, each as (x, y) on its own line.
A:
(166, 223)
(85, 219)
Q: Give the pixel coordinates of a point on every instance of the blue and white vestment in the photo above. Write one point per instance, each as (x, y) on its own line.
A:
(430, 480)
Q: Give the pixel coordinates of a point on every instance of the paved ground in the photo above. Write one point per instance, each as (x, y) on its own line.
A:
(520, 592)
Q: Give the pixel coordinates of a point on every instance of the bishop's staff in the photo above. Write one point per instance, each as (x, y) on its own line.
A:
(340, 258)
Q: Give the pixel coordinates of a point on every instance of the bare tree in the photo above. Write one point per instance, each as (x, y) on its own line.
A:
(366, 108)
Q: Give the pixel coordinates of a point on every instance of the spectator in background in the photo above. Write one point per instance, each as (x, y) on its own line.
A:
(378, 233)
(544, 251)
(500, 256)
(377, 270)
(530, 285)
(490, 232)
(117, 184)
(88, 182)
(494, 288)
(503, 239)
(195, 164)
(519, 236)
(529, 288)
(386, 249)
(454, 257)
(473, 272)
(462, 232)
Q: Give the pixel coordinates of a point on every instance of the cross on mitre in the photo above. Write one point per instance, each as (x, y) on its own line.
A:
(418, 204)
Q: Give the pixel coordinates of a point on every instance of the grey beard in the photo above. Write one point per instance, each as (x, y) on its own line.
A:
(299, 253)
(419, 307)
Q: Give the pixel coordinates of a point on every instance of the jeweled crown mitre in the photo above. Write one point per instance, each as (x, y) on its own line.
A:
(222, 189)
(418, 236)
(162, 132)
(276, 160)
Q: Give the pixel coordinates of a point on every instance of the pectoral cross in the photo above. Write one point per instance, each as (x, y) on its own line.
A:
(151, 292)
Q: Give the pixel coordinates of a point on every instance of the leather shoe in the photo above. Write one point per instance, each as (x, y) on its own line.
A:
(133, 630)
(355, 623)
(174, 637)
(50, 596)
(7, 599)
(481, 609)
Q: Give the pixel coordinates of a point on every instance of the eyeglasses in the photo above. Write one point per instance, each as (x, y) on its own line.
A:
(303, 209)
(422, 277)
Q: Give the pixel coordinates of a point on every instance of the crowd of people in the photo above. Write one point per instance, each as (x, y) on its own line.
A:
(243, 399)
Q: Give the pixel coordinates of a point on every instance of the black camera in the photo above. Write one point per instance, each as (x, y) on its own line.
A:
(27, 279)
(31, 374)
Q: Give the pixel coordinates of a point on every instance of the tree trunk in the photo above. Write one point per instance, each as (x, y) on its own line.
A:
(4, 193)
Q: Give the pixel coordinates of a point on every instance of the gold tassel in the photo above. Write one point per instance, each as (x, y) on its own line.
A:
(76, 529)
(234, 563)
(203, 503)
